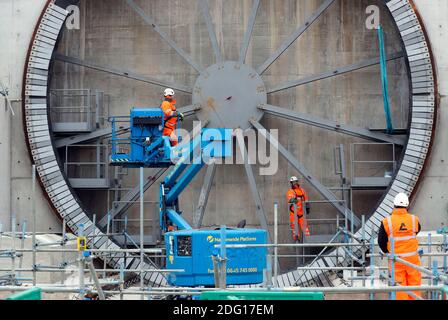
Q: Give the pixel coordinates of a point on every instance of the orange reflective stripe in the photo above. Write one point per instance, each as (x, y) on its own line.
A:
(404, 238)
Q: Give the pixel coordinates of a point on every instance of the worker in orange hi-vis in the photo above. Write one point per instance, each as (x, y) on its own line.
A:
(296, 197)
(402, 228)
(171, 116)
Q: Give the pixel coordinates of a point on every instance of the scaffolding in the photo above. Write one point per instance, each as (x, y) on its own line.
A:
(14, 280)
(76, 110)
(108, 282)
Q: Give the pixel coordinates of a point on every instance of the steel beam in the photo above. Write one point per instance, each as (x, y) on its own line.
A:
(203, 197)
(189, 110)
(324, 191)
(183, 182)
(150, 21)
(97, 134)
(332, 73)
(253, 185)
(248, 34)
(294, 36)
(211, 29)
(178, 220)
(363, 133)
(121, 73)
(183, 163)
(129, 198)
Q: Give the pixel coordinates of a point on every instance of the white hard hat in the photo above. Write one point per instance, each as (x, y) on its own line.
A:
(168, 92)
(401, 200)
(294, 179)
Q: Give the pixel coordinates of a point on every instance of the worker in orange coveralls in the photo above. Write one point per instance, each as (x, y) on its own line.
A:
(171, 116)
(297, 196)
(403, 228)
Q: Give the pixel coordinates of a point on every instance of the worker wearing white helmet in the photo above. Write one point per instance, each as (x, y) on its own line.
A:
(402, 228)
(171, 116)
(296, 198)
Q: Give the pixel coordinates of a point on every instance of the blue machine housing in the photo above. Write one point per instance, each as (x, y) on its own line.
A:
(192, 251)
(147, 145)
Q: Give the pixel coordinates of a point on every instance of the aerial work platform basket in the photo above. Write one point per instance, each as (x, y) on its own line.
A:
(144, 144)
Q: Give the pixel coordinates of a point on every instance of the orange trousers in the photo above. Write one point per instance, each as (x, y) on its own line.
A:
(168, 132)
(302, 223)
(407, 276)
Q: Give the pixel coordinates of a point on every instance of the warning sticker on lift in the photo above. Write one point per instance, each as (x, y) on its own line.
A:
(238, 270)
(81, 243)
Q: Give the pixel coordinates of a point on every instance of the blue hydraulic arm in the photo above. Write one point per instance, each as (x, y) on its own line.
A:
(183, 162)
(147, 147)
(211, 143)
(183, 182)
(384, 79)
(169, 211)
(178, 220)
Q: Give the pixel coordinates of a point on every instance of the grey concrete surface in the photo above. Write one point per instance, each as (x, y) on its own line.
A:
(18, 19)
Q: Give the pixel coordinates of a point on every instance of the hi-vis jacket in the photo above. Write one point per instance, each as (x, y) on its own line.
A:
(403, 228)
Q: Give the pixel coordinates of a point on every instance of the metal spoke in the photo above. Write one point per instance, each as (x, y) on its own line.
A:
(150, 21)
(203, 197)
(294, 36)
(121, 73)
(189, 110)
(211, 29)
(363, 133)
(248, 35)
(252, 184)
(97, 134)
(324, 191)
(332, 73)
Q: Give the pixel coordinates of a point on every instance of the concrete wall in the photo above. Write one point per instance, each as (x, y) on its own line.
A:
(431, 202)
(18, 19)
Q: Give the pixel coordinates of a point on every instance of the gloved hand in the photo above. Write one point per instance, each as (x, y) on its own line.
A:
(181, 116)
(293, 200)
(175, 114)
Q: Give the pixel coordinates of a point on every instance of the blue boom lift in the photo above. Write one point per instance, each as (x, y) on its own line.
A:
(187, 248)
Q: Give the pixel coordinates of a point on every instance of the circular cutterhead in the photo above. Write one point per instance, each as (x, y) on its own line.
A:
(229, 95)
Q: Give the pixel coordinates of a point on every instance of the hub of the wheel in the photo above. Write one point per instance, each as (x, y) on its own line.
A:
(229, 95)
